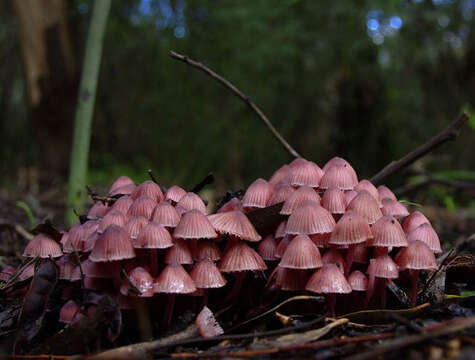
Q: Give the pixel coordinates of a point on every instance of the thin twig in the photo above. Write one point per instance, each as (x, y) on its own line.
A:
(240, 95)
(20, 230)
(449, 133)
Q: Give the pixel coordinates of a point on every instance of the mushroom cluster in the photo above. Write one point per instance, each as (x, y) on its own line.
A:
(335, 229)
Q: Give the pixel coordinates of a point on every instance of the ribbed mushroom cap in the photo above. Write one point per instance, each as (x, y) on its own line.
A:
(27, 272)
(291, 279)
(90, 241)
(207, 250)
(333, 200)
(192, 201)
(174, 280)
(206, 275)
(121, 181)
(123, 190)
(97, 210)
(394, 208)
(280, 232)
(66, 267)
(113, 244)
(369, 187)
(174, 194)
(333, 256)
(360, 253)
(257, 194)
(207, 324)
(153, 236)
(387, 232)
(179, 253)
(386, 193)
(231, 205)
(335, 161)
(342, 177)
(281, 193)
(426, 234)
(142, 206)
(42, 246)
(298, 197)
(358, 281)
(280, 175)
(194, 225)
(97, 270)
(328, 280)
(282, 246)
(365, 205)
(70, 312)
(417, 256)
(134, 225)
(320, 240)
(180, 210)
(413, 221)
(123, 204)
(149, 189)
(234, 223)
(267, 248)
(165, 214)
(241, 258)
(349, 195)
(305, 173)
(113, 217)
(78, 235)
(383, 267)
(301, 253)
(351, 229)
(141, 280)
(310, 218)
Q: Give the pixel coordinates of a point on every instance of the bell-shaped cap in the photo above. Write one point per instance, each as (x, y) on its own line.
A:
(280, 231)
(297, 198)
(97, 210)
(179, 253)
(206, 275)
(328, 280)
(387, 232)
(360, 253)
(134, 225)
(231, 205)
(310, 218)
(241, 257)
(335, 161)
(153, 236)
(141, 280)
(234, 223)
(42, 246)
(333, 256)
(365, 205)
(413, 221)
(121, 181)
(281, 193)
(174, 280)
(349, 195)
(207, 324)
(280, 175)
(290, 279)
(320, 240)
(333, 200)
(191, 201)
(194, 225)
(113, 217)
(417, 256)
(426, 234)
(166, 215)
(394, 208)
(257, 194)
(174, 194)
(369, 187)
(207, 250)
(123, 204)
(383, 267)
(386, 193)
(77, 236)
(351, 229)
(149, 189)
(142, 206)
(301, 253)
(341, 177)
(358, 281)
(267, 248)
(114, 244)
(305, 173)
(123, 190)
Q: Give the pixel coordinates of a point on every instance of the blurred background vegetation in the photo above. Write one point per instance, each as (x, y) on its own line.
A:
(364, 80)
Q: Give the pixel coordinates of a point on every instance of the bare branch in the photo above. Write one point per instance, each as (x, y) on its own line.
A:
(449, 133)
(240, 95)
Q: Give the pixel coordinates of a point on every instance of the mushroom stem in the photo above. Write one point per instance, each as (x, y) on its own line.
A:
(382, 291)
(154, 262)
(331, 300)
(370, 290)
(414, 279)
(349, 259)
(167, 317)
(240, 276)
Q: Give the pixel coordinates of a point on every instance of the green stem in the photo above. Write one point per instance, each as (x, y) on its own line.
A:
(85, 107)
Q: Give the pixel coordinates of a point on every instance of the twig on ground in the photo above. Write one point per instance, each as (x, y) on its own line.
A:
(449, 133)
(240, 95)
(430, 179)
(20, 230)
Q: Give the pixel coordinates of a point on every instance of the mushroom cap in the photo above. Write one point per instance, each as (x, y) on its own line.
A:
(174, 193)
(149, 189)
(179, 253)
(280, 232)
(394, 208)
(426, 234)
(97, 210)
(350, 229)
(291, 279)
(134, 225)
(335, 161)
(77, 236)
(241, 257)
(333, 200)
(387, 232)
(113, 244)
(142, 206)
(123, 204)
(349, 195)
(206, 275)
(141, 279)
(365, 205)
(123, 190)
(304, 173)
(280, 176)
(42, 246)
(257, 194)
(383, 267)
(297, 198)
(282, 246)
(386, 193)
(360, 253)
(66, 268)
(301, 253)
(174, 280)
(281, 193)
(165, 214)
(369, 187)
(358, 281)
(191, 201)
(97, 270)
(194, 225)
(310, 218)
(321, 240)
(231, 205)
(413, 221)
(333, 256)
(113, 217)
(153, 236)
(343, 177)
(121, 181)
(267, 248)
(234, 223)
(417, 256)
(207, 250)
(328, 280)
(207, 324)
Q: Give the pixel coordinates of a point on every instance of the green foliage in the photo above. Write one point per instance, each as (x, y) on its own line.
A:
(28, 211)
